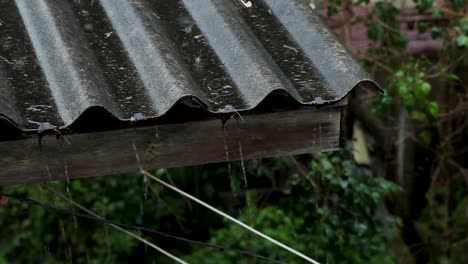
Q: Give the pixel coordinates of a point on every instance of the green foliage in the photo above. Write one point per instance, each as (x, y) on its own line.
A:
(458, 5)
(384, 27)
(333, 213)
(333, 6)
(423, 5)
(32, 234)
(461, 30)
(49, 237)
(445, 226)
(409, 88)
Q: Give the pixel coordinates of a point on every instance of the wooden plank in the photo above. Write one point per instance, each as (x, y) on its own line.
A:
(294, 131)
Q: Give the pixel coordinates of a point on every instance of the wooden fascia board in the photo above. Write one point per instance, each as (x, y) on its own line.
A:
(288, 132)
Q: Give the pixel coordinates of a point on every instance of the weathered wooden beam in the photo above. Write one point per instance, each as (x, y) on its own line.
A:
(294, 131)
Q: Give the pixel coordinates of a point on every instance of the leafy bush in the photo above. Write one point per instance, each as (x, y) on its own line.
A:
(332, 213)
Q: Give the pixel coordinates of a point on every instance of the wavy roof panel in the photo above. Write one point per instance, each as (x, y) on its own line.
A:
(59, 58)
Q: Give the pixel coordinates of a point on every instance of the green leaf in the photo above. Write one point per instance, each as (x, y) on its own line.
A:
(409, 101)
(402, 89)
(453, 77)
(433, 109)
(387, 99)
(418, 116)
(436, 13)
(425, 136)
(463, 24)
(344, 184)
(425, 88)
(326, 164)
(462, 41)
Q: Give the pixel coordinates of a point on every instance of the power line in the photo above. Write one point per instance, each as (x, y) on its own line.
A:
(176, 259)
(258, 233)
(136, 227)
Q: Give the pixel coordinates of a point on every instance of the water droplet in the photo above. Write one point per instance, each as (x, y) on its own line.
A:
(67, 176)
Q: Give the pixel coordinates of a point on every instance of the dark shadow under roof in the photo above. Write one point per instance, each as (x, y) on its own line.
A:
(60, 59)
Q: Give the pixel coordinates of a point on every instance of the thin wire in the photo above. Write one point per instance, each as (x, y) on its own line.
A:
(116, 227)
(258, 233)
(137, 227)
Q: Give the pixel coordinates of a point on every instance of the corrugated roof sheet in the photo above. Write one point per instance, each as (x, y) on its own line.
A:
(60, 58)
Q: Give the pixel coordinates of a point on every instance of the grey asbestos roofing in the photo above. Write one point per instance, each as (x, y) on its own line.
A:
(60, 58)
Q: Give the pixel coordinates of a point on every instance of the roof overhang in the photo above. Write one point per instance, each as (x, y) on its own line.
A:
(104, 74)
(289, 131)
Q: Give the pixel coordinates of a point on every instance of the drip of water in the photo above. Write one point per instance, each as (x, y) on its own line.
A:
(87, 257)
(231, 175)
(62, 229)
(248, 200)
(226, 149)
(70, 253)
(146, 246)
(145, 181)
(140, 167)
(246, 185)
(141, 210)
(137, 157)
(68, 249)
(242, 164)
(157, 131)
(45, 160)
(75, 222)
(48, 171)
(47, 250)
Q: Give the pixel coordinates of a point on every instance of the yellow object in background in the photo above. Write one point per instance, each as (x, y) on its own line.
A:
(360, 151)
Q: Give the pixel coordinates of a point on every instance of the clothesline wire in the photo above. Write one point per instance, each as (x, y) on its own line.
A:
(136, 227)
(176, 259)
(232, 219)
(160, 181)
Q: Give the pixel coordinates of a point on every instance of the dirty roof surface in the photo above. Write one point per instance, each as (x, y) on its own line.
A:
(61, 58)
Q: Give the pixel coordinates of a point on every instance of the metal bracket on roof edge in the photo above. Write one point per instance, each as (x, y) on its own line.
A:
(44, 127)
(137, 117)
(246, 3)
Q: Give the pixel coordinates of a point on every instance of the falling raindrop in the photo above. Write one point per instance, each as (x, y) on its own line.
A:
(137, 157)
(146, 246)
(231, 175)
(47, 250)
(70, 253)
(68, 248)
(242, 164)
(87, 257)
(244, 174)
(75, 222)
(140, 167)
(142, 212)
(145, 181)
(48, 171)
